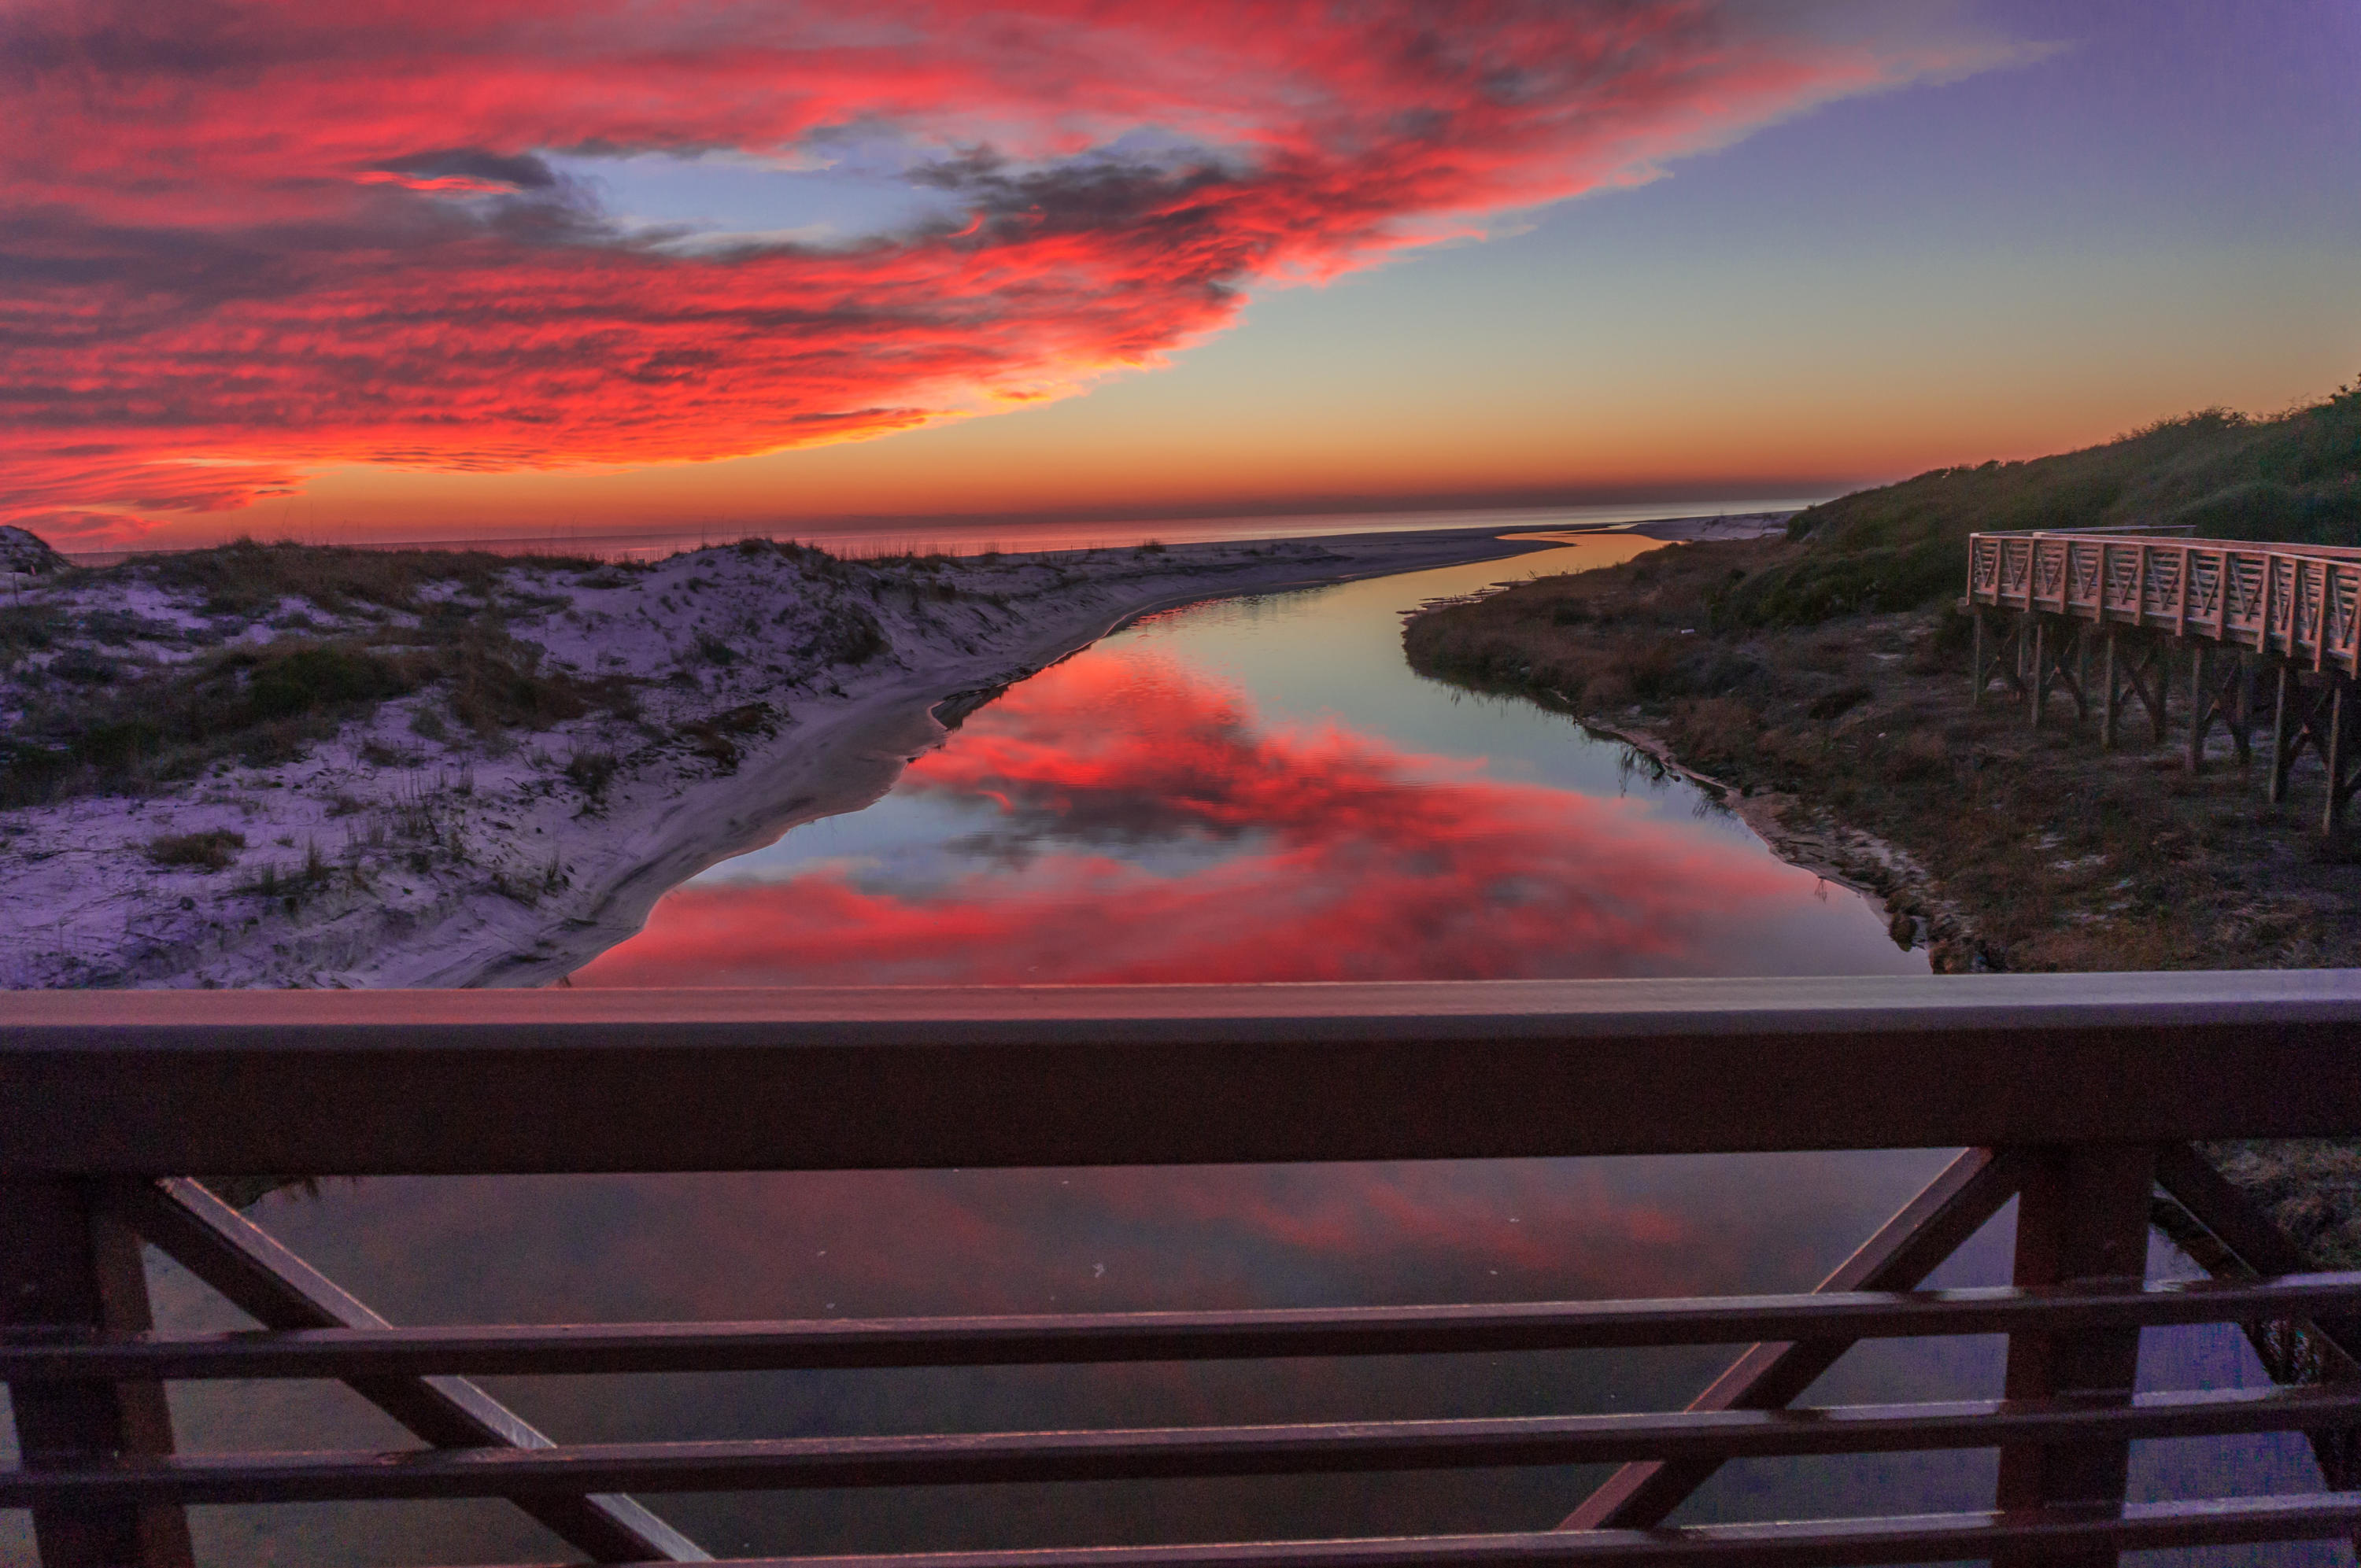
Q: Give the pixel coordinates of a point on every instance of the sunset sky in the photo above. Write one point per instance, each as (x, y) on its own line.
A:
(402, 268)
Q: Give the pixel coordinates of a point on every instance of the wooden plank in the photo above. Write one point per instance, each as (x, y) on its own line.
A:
(280, 1290)
(1323, 1448)
(1816, 1543)
(325, 1082)
(63, 1267)
(507, 1350)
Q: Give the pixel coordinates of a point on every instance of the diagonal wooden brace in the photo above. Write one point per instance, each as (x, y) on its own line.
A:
(2218, 693)
(1907, 1248)
(2050, 666)
(2136, 664)
(2298, 719)
(2237, 1240)
(280, 1290)
(1997, 651)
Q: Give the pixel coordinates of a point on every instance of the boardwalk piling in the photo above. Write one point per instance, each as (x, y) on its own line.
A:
(2201, 713)
(2285, 736)
(2332, 752)
(2338, 754)
(2110, 691)
(2043, 657)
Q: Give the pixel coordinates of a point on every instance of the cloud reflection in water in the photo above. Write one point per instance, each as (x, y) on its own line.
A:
(1125, 817)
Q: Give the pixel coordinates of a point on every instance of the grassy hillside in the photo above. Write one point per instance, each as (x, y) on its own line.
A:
(2296, 476)
(1826, 671)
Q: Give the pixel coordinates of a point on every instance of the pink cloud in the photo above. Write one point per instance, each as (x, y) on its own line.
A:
(243, 236)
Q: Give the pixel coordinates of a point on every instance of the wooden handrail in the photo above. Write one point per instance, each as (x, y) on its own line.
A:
(425, 1083)
(2299, 602)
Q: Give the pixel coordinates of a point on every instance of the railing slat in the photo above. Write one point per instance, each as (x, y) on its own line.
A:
(960, 1459)
(1816, 1543)
(501, 1350)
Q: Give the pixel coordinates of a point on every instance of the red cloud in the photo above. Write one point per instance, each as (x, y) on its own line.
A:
(1304, 855)
(276, 234)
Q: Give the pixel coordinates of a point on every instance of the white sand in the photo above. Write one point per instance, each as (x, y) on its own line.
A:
(446, 864)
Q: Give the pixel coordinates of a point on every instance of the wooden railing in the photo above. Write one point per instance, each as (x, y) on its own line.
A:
(2300, 602)
(2077, 1097)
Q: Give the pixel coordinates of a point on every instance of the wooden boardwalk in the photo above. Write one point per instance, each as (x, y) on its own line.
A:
(2247, 623)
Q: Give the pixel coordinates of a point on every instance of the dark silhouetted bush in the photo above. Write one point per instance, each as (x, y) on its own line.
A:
(212, 851)
(303, 679)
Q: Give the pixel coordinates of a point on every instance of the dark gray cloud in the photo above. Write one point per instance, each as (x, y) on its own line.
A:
(522, 170)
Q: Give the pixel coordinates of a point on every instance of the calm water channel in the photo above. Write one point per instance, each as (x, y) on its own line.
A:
(1255, 789)
(1260, 789)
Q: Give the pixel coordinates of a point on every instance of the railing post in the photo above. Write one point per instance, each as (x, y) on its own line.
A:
(2286, 726)
(2083, 1214)
(68, 1266)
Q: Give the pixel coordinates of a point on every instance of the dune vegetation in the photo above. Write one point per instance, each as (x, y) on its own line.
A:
(2296, 476)
(1824, 678)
